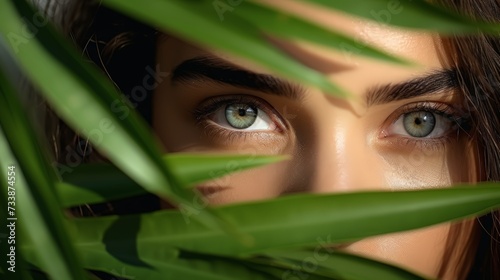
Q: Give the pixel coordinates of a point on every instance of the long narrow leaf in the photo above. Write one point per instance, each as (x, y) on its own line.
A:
(288, 26)
(337, 218)
(168, 263)
(83, 98)
(239, 38)
(36, 207)
(172, 263)
(340, 265)
(418, 14)
(94, 183)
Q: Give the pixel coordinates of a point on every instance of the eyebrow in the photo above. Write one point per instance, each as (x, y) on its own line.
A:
(435, 82)
(221, 71)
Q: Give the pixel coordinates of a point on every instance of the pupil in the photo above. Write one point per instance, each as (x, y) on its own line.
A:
(418, 121)
(240, 115)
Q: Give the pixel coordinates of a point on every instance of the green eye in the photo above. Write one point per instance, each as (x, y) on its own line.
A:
(240, 116)
(419, 124)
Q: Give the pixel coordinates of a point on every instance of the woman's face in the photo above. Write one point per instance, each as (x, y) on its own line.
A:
(398, 130)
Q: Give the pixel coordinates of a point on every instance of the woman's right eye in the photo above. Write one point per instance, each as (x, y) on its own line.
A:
(239, 114)
(243, 117)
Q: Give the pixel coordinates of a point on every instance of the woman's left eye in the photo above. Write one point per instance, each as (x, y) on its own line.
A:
(243, 116)
(421, 124)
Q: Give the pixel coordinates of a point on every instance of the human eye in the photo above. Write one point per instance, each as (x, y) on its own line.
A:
(425, 123)
(239, 116)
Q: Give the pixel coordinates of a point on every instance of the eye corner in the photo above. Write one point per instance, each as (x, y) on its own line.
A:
(383, 133)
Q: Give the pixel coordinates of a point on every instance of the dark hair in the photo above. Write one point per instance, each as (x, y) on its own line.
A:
(123, 48)
(477, 59)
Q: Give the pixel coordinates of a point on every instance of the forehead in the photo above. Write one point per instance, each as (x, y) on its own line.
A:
(345, 67)
(410, 44)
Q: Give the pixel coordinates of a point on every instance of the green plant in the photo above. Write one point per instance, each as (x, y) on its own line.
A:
(194, 242)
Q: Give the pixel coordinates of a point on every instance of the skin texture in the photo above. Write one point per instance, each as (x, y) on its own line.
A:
(336, 145)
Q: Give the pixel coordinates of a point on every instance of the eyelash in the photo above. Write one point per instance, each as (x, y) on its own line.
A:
(211, 105)
(460, 123)
(208, 107)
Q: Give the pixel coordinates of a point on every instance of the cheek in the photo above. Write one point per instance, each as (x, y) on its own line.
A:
(251, 185)
(419, 250)
(414, 168)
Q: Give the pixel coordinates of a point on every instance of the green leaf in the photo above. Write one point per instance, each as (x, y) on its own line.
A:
(83, 98)
(178, 266)
(239, 37)
(417, 14)
(94, 183)
(338, 265)
(335, 218)
(35, 206)
(288, 26)
(171, 263)
(167, 263)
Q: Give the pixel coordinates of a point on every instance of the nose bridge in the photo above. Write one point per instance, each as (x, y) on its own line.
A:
(344, 160)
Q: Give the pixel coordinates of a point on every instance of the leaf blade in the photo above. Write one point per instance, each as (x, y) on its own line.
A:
(352, 216)
(95, 183)
(34, 201)
(340, 265)
(289, 26)
(82, 97)
(178, 17)
(418, 14)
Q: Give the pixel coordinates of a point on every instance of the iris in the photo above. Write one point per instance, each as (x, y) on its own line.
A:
(241, 116)
(419, 124)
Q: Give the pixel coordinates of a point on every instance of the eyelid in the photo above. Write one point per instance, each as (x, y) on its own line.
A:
(439, 108)
(210, 105)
